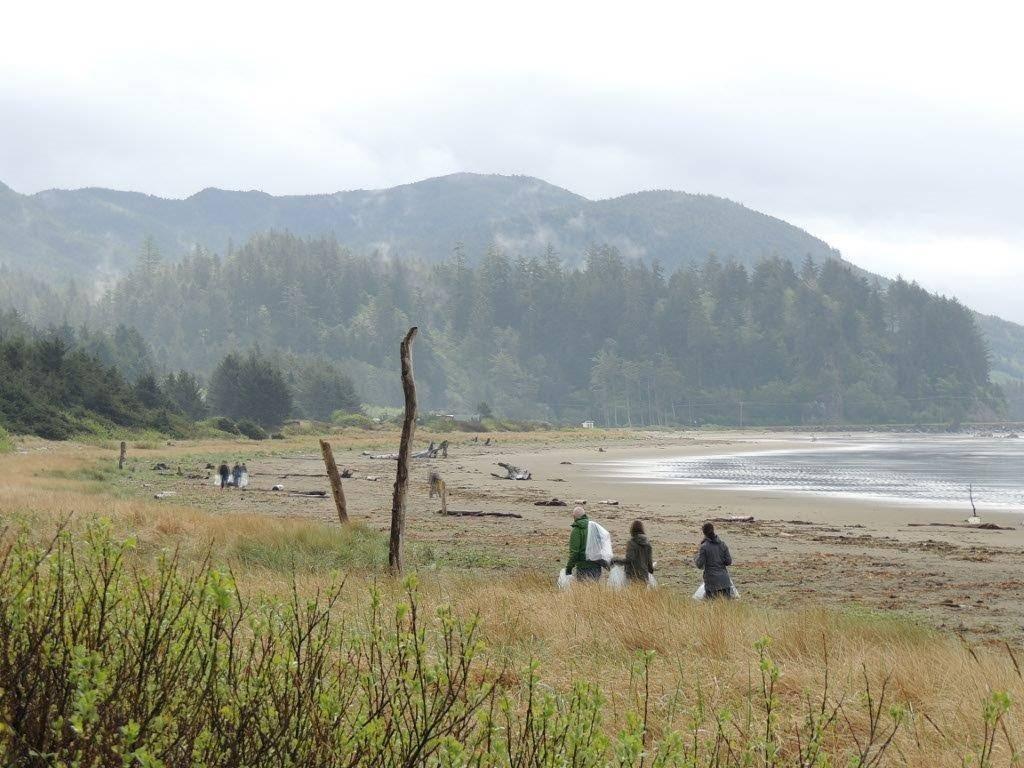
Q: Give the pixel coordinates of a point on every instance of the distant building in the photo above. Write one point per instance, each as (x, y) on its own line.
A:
(587, 425)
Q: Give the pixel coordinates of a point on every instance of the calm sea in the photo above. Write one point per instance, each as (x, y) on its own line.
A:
(904, 469)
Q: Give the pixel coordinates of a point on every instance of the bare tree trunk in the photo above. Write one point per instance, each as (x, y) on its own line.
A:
(402, 476)
(123, 456)
(335, 478)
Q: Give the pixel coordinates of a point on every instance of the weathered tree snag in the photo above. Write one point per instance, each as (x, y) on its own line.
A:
(437, 487)
(332, 473)
(123, 456)
(402, 475)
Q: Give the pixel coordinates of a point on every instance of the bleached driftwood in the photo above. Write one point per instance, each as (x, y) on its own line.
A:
(512, 472)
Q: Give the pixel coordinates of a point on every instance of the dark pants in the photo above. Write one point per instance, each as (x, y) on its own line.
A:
(588, 574)
(715, 594)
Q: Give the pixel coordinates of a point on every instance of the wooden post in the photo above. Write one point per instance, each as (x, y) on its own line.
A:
(335, 478)
(402, 475)
(437, 488)
(123, 456)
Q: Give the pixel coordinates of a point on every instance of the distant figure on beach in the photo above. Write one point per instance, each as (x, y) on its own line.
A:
(714, 559)
(244, 477)
(236, 475)
(639, 559)
(586, 570)
(225, 474)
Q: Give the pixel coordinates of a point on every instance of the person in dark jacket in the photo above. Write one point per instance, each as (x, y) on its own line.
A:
(714, 559)
(639, 559)
(225, 472)
(586, 570)
(236, 475)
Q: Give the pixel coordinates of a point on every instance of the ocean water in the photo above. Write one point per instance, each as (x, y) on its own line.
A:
(900, 469)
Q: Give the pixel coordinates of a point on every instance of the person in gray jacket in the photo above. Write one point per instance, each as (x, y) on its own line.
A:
(714, 559)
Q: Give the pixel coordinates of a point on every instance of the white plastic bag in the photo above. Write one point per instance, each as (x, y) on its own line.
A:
(652, 583)
(565, 580)
(243, 480)
(599, 543)
(733, 592)
(617, 577)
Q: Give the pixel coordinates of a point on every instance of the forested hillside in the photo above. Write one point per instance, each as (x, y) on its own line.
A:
(94, 233)
(613, 340)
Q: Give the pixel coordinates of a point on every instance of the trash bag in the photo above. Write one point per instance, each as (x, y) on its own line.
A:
(599, 543)
(216, 481)
(243, 480)
(565, 580)
(733, 592)
(617, 577)
(652, 583)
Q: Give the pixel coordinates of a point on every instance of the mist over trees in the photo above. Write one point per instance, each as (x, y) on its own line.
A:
(615, 339)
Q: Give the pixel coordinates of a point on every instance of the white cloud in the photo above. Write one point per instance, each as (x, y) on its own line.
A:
(899, 126)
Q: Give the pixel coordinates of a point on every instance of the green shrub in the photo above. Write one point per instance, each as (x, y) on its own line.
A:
(222, 424)
(252, 430)
(6, 444)
(357, 420)
(107, 662)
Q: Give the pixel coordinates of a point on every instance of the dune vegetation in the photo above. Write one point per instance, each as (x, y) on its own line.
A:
(138, 632)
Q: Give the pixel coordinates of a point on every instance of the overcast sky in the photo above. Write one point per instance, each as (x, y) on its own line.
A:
(895, 131)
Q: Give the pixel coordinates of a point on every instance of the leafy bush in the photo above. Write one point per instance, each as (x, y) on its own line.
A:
(107, 663)
(223, 424)
(6, 444)
(358, 420)
(251, 429)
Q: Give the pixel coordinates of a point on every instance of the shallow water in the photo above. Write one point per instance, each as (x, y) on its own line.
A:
(902, 469)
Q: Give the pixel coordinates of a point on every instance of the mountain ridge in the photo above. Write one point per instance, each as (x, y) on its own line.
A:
(93, 226)
(93, 233)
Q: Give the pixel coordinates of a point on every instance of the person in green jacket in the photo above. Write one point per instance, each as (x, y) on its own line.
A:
(586, 570)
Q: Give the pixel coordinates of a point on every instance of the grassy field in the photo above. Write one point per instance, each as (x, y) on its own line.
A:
(515, 672)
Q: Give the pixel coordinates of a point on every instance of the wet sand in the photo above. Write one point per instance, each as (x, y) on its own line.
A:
(799, 549)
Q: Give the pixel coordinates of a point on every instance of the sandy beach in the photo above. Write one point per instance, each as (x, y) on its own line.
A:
(798, 549)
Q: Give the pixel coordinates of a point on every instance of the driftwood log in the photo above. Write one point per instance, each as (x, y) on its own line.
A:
(481, 513)
(335, 477)
(402, 474)
(512, 472)
(431, 452)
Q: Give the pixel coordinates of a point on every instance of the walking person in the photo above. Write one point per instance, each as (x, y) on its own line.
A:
(714, 559)
(225, 472)
(236, 475)
(586, 570)
(639, 560)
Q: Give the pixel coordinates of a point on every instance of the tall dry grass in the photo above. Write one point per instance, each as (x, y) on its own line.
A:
(657, 649)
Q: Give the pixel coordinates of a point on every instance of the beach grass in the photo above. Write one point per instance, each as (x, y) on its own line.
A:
(722, 678)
